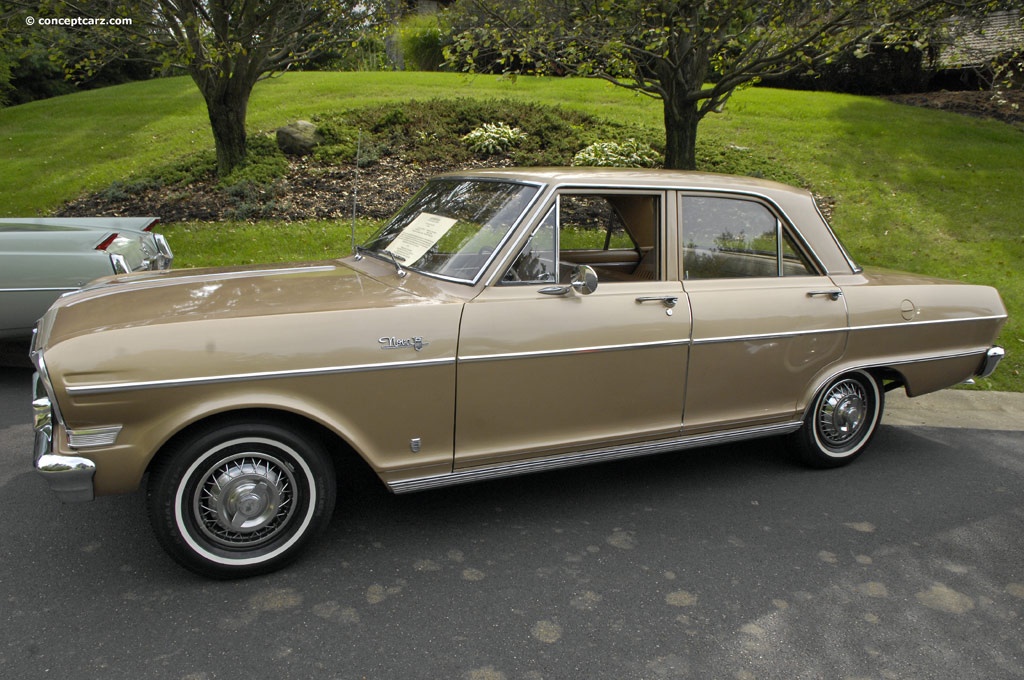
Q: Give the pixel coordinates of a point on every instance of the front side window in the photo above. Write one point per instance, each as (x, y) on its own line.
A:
(616, 234)
(452, 227)
(728, 238)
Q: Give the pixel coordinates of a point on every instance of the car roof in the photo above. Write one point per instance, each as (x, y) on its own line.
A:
(797, 205)
(668, 179)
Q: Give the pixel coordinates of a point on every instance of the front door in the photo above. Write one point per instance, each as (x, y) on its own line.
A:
(544, 369)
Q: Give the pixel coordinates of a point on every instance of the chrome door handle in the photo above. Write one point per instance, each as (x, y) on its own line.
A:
(667, 300)
(833, 294)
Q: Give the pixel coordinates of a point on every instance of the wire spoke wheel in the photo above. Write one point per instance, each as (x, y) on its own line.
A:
(242, 499)
(841, 421)
(842, 413)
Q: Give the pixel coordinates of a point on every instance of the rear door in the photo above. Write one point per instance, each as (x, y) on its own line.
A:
(766, 320)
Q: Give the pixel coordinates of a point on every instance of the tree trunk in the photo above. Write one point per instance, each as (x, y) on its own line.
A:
(227, 104)
(681, 120)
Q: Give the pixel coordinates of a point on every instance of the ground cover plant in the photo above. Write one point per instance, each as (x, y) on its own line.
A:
(906, 188)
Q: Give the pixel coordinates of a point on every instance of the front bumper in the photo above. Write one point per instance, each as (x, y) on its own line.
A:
(69, 477)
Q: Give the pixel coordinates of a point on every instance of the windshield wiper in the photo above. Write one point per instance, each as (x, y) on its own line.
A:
(391, 257)
(394, 261)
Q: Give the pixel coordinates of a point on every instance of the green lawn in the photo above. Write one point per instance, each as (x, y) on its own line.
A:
(914, 189)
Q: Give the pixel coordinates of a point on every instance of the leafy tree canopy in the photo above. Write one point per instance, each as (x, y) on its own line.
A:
(690, 54)
(226, 46)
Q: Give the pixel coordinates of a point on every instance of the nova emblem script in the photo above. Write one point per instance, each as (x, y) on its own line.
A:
(417, 343)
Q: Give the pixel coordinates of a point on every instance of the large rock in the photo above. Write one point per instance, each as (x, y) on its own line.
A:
(299, 138)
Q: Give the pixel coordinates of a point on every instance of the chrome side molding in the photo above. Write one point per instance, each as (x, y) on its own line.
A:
(600, 455)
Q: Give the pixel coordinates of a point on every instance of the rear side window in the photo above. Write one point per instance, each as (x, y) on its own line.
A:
(730, 238)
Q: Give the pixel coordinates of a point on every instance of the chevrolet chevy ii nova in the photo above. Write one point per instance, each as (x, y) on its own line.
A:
(502, 323)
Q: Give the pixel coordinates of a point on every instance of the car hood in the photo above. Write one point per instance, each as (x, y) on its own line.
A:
(154, 298)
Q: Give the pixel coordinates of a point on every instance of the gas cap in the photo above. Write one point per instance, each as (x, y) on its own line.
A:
(908, 310)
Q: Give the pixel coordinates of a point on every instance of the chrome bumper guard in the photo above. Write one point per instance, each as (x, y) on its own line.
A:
(69, 477)
(164, 257)
(992, 359)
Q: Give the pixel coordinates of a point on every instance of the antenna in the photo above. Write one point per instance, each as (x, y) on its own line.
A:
(355, 193)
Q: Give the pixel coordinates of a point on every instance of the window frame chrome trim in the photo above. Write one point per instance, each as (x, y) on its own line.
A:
(783, 224)
(501, 247)
(857, 269)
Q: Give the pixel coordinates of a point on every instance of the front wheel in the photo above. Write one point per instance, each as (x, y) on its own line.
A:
(240, 500)
(841, 421)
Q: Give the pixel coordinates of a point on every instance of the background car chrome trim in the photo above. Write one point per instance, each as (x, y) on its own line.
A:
(119, 263)
(165, 256)
(571, 350)
(36, 290)
(104, 388)
(587, 457)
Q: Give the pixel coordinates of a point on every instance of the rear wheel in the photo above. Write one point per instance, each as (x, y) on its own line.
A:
(241, 500)
(841, 421)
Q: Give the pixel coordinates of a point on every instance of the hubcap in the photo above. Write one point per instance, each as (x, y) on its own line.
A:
(842, 414)
(244, 500)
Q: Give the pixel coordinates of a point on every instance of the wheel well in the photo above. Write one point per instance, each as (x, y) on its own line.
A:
(335, 446)
(888, 378)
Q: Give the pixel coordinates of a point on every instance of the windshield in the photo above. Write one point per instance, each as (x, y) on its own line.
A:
(452, 227)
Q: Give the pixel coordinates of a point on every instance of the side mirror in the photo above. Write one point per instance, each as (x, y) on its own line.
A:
(583, 279)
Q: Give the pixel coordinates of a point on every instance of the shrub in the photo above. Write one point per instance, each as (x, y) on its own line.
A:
(264, 164)
(421, 42)
(493, 138)
(627, 154)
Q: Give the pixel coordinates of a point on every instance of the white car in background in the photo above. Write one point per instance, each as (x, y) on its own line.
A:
(43, 258)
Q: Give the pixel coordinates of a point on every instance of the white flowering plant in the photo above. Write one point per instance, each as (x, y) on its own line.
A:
(627, 154)
(493, 138)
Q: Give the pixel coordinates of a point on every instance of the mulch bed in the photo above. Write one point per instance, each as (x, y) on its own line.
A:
(314, 191)
(308, 191)
(1007, 106)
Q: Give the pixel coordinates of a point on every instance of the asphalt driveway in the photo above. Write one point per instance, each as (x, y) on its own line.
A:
(726, 562)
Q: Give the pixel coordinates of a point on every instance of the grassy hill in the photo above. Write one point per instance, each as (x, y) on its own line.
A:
(914, 189)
